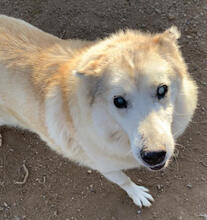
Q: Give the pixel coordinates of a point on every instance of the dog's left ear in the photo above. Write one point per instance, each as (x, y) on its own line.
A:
(172, 33)
(92, 67)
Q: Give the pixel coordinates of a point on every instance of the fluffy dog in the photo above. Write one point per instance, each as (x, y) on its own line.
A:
(110, 105)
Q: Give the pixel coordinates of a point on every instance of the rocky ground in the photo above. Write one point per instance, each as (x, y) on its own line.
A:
(57, 189)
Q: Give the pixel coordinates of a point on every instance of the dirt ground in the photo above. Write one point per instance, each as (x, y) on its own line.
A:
(57, 189)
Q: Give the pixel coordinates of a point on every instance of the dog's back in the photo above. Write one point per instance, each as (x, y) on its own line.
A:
(25, 54)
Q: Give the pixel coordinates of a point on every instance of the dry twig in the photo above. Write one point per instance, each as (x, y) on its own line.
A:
(25, 177)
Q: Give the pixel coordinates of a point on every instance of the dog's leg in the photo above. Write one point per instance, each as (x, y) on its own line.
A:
(138, 193)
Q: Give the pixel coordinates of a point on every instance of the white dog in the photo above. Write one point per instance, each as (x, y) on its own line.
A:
(111, 105)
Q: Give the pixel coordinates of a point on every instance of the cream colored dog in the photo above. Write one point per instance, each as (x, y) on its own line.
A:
(111, 105)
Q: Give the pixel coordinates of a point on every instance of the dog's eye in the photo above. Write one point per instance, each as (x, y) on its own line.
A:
(161, 91)
(120, 102)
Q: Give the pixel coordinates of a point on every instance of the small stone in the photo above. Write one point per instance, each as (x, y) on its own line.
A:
(92, 189)
(89, 171)
(139, 180)
(188, 36)
(171, 17)
(203, 179)
(159, 186)
(6, 205)
(139, 212)
(189, 186)
(158, 10)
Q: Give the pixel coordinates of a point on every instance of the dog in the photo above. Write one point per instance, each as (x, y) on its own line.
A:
(111, 104)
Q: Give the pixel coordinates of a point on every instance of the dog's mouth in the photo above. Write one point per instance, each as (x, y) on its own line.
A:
(157, 167)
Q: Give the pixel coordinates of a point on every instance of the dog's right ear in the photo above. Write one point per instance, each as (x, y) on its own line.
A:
(91, 75)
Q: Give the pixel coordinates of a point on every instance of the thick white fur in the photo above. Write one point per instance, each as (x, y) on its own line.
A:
(75, 114)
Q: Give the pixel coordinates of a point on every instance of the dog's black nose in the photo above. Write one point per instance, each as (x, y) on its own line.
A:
(153, 157)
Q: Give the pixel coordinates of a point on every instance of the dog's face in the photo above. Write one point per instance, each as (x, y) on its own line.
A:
(132, 89)
(142, 105)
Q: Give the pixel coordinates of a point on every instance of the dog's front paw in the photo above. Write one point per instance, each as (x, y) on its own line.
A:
(139, 195)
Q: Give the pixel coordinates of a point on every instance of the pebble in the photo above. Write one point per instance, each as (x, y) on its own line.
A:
(159, 187)
(171, 17)
(189, 186)
(139, 212)
(92, 188)
(89, 171)
(6, 205)
(158, 10)
(139, 180)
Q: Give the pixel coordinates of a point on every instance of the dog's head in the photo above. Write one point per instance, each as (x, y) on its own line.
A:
(136, 89)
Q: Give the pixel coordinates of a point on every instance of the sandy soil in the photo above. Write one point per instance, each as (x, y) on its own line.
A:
(57, 189)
